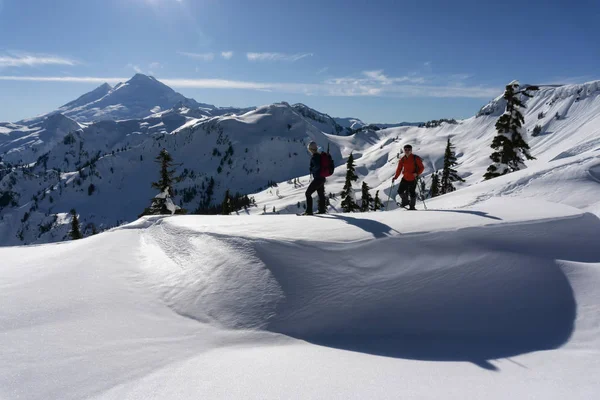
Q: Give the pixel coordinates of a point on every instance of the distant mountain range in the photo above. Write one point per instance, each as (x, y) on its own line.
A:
(97, 153)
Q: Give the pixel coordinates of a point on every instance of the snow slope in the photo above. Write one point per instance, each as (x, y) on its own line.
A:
(105, 170)
(28, 142)
(494, 301)
(567, 154)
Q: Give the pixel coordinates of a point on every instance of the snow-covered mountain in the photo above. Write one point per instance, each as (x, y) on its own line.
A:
(322, 121)
(570, 139)
(139, 97)
(104, 169)
(22, 144)
(356, 124)
(352, 123)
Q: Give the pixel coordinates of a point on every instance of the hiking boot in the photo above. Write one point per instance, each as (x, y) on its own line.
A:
(412, 209)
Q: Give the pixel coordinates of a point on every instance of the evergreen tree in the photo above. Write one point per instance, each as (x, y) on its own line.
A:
(377, 205)
(162, 203)
(166, 172)
(435, 185)
(449, 174)
(509, 145)
(226, 205)
(348, 203)
(366, 199)
(75, 232)
(422, 192)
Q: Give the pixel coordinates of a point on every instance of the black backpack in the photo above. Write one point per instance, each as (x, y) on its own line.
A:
(415, 160)
(327, 165)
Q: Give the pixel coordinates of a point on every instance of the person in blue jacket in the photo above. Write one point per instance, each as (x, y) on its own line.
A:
(318, 183)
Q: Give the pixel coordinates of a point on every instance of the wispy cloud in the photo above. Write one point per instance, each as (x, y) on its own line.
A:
(227, 54)
(277, 56)
(460, 77)
(32, 60)
(198, 56)
(371, 83)
(379, 77)
(136, 68)
(65, 79)
(150, 70)
(322, 70)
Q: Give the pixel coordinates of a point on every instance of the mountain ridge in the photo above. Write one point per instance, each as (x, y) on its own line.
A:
(46, 170)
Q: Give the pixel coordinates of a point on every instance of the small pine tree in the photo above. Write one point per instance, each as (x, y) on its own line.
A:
(348, 203)
(226, 205)
(435, 185)
(75, 232)
(377, 205)
(163, 203)
(509, 145)
(449, 174)
(366, 199)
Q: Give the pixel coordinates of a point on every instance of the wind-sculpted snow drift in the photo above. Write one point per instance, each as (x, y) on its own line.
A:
(279, 306)
(472, 294)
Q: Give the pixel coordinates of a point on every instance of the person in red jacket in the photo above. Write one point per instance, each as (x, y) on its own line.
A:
(410, 166)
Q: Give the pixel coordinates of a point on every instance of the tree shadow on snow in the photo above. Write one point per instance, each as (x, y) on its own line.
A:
(376, 228)
(478, 213)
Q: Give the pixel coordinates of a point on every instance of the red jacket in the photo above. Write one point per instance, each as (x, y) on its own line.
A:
(407, 165)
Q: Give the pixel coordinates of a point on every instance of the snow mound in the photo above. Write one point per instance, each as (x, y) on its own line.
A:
(499, 286)
(213, 306)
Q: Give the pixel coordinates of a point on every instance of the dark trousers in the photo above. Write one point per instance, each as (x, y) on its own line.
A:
(317, 185)
(406, 189)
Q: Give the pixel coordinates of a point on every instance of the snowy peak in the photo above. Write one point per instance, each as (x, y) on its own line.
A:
(322, 121)
(25, 144)
(144, 79)
(352, 123)
(59, 122)
(89, 97)
(139, 97)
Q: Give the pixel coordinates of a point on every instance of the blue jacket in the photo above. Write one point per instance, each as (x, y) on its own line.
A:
(315, 166)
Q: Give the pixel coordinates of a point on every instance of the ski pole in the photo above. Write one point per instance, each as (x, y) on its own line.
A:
(421, 193)
(389, 196)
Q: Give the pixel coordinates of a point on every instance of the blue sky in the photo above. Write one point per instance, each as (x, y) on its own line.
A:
(381, 61)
